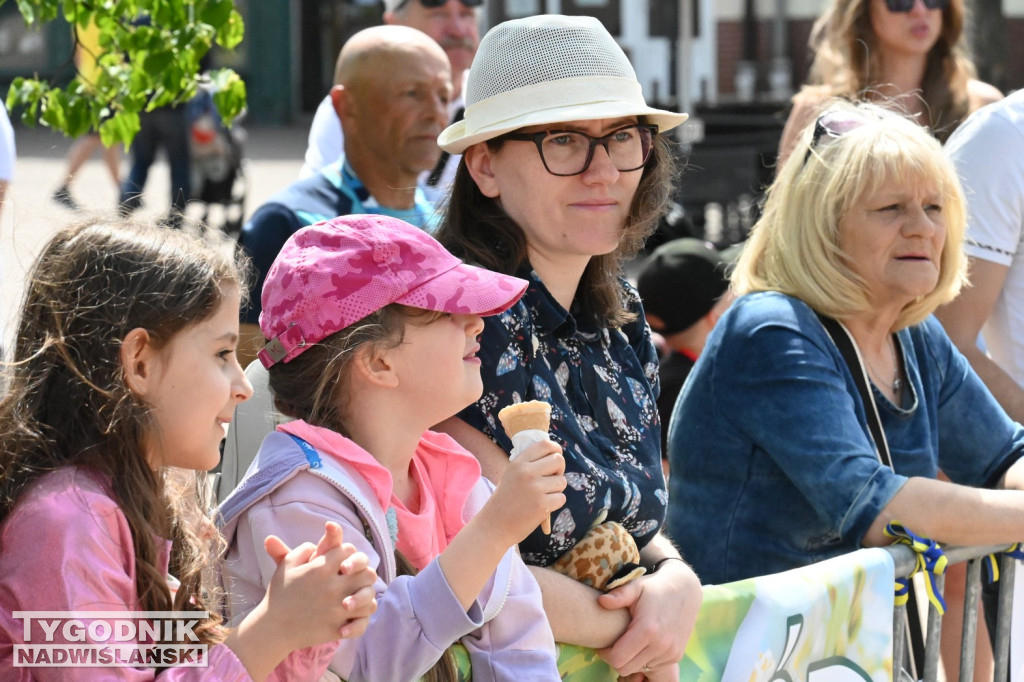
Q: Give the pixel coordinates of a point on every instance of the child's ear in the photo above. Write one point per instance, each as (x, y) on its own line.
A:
(137, 359)
(374, 366)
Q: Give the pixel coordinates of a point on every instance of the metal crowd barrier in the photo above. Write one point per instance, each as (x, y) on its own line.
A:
(905, 561)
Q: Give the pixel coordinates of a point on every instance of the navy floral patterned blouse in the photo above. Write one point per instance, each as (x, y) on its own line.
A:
(602, 384)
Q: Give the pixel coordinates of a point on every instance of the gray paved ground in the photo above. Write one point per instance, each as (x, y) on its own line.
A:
(273, 158)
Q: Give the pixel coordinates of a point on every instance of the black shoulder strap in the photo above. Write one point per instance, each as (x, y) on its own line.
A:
(841, 337)
(844, 342)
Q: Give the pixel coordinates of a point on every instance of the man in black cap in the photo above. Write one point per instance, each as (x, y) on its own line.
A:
(683, 285)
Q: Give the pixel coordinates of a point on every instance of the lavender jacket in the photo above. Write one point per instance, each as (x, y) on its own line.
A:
(67, 546)
(291, 494)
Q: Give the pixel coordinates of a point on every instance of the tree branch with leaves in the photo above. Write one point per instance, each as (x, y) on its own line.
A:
(150, 52)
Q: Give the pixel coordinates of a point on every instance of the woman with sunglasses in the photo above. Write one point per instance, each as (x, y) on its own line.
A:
(908, 53)
(862, 231)
(563, 175)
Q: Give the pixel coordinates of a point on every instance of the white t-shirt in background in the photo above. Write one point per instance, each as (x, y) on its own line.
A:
(7, 151)
(988, 150)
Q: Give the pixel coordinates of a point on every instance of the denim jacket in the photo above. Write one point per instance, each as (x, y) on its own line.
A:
(773, 466)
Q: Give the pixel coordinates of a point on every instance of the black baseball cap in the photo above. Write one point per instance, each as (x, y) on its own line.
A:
(682, 280)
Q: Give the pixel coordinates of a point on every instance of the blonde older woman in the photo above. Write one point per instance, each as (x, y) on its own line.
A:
(777, 465)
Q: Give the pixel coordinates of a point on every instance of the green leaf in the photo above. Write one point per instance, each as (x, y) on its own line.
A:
(28, 12)
(79, 13)
(38, 11)
(229, 94)
(216, 12)
(162, 97)
(26, 92)
(121, 127)
(174, 80)
(53, 109)
(157, 63)
(78, 117)
(230, 34)
(14, 93)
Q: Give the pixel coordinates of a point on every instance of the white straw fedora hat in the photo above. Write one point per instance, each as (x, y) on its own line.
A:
(547, 69)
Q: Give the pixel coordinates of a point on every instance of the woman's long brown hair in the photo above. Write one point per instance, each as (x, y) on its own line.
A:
(847, 62)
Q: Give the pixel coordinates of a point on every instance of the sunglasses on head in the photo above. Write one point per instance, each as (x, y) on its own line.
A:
(431, 4)
(907, 5)
(833, 124)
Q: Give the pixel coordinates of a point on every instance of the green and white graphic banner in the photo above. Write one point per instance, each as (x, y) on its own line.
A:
(828, 622)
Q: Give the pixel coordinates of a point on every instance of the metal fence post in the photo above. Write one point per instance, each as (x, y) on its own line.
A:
(932, 635)
(904, 564)
(1007, 568)
(899, 640)
(972, 590)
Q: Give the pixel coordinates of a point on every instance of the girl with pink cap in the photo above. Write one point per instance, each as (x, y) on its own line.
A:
(372, 338)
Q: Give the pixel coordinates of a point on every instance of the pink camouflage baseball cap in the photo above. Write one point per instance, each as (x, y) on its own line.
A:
(337, 272)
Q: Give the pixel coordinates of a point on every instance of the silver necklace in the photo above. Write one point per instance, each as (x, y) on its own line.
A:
(897, 383)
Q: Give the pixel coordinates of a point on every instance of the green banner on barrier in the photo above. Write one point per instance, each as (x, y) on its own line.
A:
(829, 622)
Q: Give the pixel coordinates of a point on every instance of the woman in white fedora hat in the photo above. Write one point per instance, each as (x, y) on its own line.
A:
(563, 176)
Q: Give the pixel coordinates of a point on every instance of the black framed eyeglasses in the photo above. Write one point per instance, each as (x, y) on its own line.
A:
(569, 152)
(431, 4)
(898, 6)
(833, 124)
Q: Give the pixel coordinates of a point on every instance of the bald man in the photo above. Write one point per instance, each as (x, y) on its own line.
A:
(393, 85)
(454, 25)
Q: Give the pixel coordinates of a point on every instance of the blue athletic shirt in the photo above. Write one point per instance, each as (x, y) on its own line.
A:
(334, 191)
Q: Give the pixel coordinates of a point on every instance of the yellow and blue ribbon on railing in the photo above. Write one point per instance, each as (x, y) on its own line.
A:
(930, 559)
(991, 564)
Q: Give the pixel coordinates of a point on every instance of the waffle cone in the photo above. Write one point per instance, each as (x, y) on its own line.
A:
(533, 414)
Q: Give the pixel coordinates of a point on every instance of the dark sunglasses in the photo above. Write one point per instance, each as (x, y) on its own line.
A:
(903, 5)
(431, 4)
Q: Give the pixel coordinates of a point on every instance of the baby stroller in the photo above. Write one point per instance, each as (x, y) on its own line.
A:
(217, 166)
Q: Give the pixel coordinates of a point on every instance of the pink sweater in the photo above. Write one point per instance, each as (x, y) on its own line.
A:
(67, 546)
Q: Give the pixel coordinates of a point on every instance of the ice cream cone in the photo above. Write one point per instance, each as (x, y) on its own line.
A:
(532, 416)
